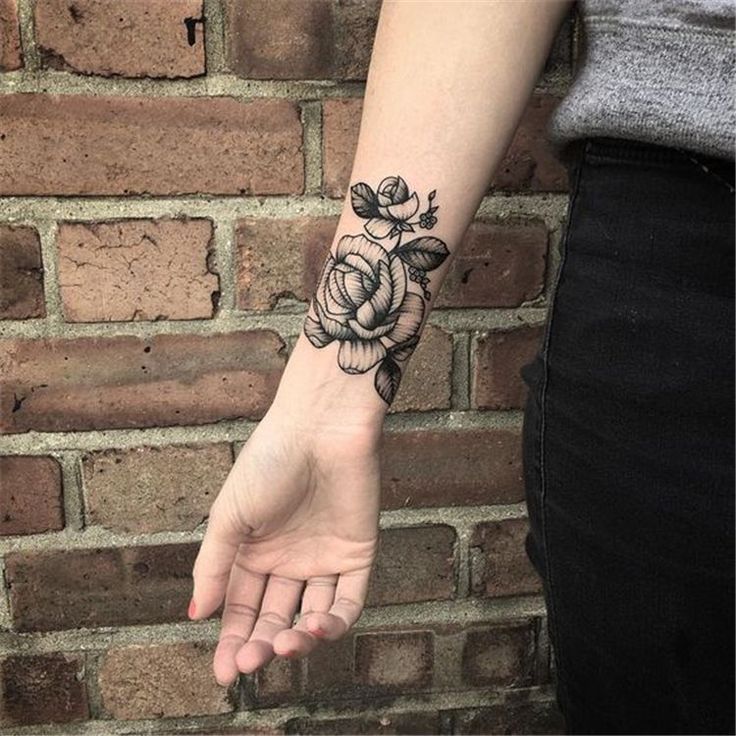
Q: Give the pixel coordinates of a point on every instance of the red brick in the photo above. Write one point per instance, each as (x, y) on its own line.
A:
(426, 381)
(500, 565)
(502, 656)
(69, 589)
(330, 669)
(21, 273)
(413, 564)
(451, 467)
(42, 688)
(11, 56)
(292, 39)
(280, 257)
(57, 384)
(382, 722)
(340, 128)
(529, 164)
(279, 681)
(152, 269)
(134, 39)
(394, 661)
(162, 681)
(76, 145)
(499, 358)
(497, 265)
(542, 716)
(150, 489)
(30, 495)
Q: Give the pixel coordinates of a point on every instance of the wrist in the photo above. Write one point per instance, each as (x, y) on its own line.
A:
(315, 395)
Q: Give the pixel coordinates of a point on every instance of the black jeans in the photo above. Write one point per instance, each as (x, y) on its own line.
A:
(629, 444)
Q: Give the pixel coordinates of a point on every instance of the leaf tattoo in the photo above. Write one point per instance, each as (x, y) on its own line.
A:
(363, 299)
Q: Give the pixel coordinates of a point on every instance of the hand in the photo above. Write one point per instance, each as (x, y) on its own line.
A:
(294, 526)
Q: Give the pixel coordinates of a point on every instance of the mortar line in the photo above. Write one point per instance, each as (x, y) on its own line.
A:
(223, 238)
(73, 490)
(460, 371)
(311, 114)
(41, 443)
(501, 207)
(6, 618)
(215, 48)
(93, 537)
(286, 321)
(47, 232)
(31, 56)
(217, 82)
(471, 611)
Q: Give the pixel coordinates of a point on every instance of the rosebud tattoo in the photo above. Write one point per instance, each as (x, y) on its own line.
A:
(365, 299)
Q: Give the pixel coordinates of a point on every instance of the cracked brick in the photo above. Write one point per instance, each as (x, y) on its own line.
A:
(133, 270)
(149, 39)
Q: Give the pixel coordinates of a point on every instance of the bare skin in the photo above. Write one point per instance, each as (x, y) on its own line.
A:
(294, 530)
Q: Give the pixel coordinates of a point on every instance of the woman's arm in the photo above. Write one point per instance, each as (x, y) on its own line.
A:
(296, 522)
(447, 85)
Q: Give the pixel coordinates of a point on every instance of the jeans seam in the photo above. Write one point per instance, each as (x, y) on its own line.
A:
(552, 618)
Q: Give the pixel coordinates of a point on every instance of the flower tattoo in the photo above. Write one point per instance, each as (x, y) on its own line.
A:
(363, 299)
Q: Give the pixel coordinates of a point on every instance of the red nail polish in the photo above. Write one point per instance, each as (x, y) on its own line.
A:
(192, 609)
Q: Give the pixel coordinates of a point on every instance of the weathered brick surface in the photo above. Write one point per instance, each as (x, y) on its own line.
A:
(498, 359)
(451, 467)
(529, 164)
(161, 681)
(137, 270)
(426, 381)
(499, 656)
(340, 128)
(499, 562)
(135, 39)
(42, 688)
(21, 273)
(413, 564)
(68, 589)
(280, 257)
(11, 56)
(292, 39)
(68, 144)
(150, 489)
(93, 383)
(30, 495)
(497, 265)
(393, 661)
(279, 681)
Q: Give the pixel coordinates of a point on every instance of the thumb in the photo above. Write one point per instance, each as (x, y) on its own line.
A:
(214, 561)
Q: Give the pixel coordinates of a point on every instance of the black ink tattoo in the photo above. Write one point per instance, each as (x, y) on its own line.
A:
(363, 298)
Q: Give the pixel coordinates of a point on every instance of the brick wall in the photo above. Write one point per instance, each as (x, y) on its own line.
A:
(170, 177)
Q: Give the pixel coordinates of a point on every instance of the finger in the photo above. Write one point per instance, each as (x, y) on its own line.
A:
(350, 597)
(242, 604)
(319, 596)
(279, 605)
(214, 561)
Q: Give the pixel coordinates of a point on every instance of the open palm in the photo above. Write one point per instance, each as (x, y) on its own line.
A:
(293, 530)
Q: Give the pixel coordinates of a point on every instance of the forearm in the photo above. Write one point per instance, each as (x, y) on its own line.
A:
(447, 85)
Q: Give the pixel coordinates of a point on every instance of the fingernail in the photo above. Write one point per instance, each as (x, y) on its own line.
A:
(290, 653)
(317, 631)
(192, 609)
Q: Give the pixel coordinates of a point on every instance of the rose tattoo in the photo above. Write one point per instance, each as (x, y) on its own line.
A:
(363, 298)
